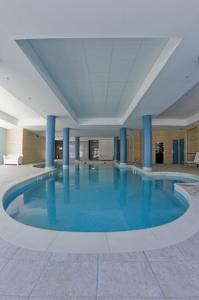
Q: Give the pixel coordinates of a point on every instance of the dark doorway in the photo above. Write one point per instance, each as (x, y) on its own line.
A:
(159, 153)
(93, 150)
(58, 149)
(178, 151)
(181, 151)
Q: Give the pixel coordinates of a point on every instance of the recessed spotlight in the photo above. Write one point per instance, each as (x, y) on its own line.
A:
(29, 98)
(187, 76)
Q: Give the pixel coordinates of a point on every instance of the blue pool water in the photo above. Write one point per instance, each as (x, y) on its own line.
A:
(96, 199)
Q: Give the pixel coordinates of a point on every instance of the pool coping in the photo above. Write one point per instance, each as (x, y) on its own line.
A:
(33, 238)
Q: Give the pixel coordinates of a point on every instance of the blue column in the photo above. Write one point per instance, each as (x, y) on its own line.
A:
(115, 148)
(147, 142)
(50, 141)
(66, 141)
(122, 145)
(77, 148)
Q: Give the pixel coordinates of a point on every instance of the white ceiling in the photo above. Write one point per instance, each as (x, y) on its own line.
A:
(98, 77)
(11, 105)
(14, 113)
(185, 107)
(121, 81)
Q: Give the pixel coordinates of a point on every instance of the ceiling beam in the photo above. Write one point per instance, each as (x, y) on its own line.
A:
(37, 63)
(161, 61)
(7, 121)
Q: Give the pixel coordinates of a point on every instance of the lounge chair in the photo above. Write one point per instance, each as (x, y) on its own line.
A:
(12, 159)
(195, 161)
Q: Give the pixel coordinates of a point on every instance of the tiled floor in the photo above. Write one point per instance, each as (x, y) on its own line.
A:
(168, 273)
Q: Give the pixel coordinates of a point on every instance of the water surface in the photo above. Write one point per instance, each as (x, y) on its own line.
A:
(95, 198)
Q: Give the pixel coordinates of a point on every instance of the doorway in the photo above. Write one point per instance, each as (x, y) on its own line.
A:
(178, 151)
(58, 149)
(159, 153)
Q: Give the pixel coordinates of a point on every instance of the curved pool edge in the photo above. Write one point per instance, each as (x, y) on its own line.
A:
(33, 238)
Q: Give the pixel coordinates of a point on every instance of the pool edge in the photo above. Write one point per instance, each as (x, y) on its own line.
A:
(106, 242)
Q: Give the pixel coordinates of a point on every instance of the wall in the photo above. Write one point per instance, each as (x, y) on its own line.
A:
(26, 143)
(33, 147)
(134, 144)
(2, 144)
(192, 142)
(84, 150)
(167, 137)
(14, 141)
(106, 149)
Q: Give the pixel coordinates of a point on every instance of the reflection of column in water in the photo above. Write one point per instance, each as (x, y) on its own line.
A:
(147, 197)
(123, 186)
(116, 177)
(51, 201)
(77, 177)
(15, 206)
(66, 185)
(168, 186)
(93, 174)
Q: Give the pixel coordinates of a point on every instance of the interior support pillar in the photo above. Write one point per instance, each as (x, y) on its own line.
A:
(66, 141)
(77, 145)
(50, 141)
(147, 142)
(123, 150)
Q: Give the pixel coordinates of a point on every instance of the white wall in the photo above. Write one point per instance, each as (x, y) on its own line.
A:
(83, 150)
(106, 149)
(2, 143)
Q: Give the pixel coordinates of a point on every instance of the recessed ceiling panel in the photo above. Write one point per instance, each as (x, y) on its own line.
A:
(98, 77)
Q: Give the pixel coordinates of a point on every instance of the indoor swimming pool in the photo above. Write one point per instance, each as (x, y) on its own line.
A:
(96, 198)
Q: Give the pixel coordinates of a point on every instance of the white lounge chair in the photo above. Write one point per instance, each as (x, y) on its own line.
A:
(195, 161)
(12, 159)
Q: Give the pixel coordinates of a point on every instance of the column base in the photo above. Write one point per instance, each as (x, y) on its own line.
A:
(50, 168)
(122, 164)
(147, 169)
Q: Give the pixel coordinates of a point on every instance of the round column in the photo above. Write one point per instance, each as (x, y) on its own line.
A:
(50, 141)
(147, 142)
(77, 144)
(66, 141)
(123, 146)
